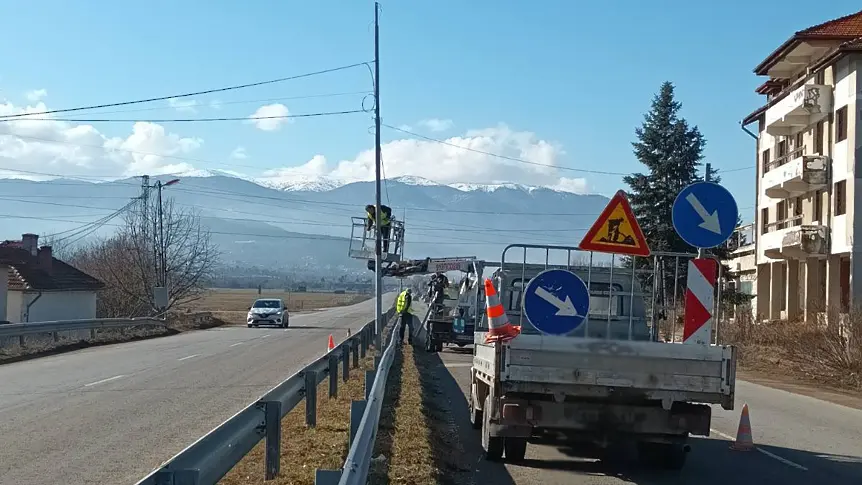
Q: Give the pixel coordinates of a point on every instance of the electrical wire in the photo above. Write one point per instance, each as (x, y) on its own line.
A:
(193, 120)
(186, 95)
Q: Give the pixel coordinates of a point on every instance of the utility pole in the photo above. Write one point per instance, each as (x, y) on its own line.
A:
(163, 276)
(378, 277)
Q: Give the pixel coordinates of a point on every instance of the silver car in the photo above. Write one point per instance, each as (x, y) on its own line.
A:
(268, 311)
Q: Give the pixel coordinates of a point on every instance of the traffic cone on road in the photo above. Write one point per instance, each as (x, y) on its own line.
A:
(331, 343)
(499, 327)
(744, 441)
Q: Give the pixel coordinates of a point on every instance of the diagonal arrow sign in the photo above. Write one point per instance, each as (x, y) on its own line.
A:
(564, 308)
(710, 221)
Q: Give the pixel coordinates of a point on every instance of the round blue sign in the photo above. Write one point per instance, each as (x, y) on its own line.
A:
(556, 301)
(704, 214)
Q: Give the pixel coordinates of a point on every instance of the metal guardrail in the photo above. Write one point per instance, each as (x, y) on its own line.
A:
(21, 330)
(211, 457)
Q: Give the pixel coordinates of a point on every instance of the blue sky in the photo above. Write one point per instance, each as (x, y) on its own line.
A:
(577, 74)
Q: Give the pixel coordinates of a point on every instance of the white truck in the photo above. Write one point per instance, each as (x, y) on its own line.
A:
(606, 383)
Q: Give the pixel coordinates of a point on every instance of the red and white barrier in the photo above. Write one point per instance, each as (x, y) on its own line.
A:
(699, 301)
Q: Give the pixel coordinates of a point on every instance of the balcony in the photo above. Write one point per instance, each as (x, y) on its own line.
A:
(795, 174)
(803, 107)
(796, 241)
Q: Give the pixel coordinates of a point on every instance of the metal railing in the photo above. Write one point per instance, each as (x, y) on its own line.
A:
(22, 330)
(211, 457)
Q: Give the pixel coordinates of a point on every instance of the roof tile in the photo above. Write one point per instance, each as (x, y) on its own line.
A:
(849, 25)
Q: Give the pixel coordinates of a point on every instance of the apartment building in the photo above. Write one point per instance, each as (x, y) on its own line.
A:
(808, 139)
(742, 269)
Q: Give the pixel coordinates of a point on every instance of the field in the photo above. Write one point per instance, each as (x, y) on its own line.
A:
(232, 304)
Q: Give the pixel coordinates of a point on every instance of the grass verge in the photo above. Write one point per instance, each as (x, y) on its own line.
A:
(417, 433)
(42, 346)
(303, 449)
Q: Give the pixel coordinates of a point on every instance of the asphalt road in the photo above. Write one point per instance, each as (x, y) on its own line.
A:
(112, 414)
(801, 440)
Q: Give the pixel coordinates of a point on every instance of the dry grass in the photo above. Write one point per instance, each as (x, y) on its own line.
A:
(822, 355)
(417, 433)
(42, 345)
(306, 449)
(232, 305)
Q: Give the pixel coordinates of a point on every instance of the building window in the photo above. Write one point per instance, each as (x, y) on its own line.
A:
(746, 287)
(766, 160)
(818, 138)
(781, 214)
(764, 220)
(840, 198)
(818, 206)
(841, 125)
(797, 212)
(797, 144)
(820, 77)
(781, 149)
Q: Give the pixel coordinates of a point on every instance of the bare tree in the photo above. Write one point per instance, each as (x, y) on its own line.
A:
(130, 262)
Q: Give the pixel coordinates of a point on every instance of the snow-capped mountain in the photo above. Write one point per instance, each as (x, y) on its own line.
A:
(307, 221)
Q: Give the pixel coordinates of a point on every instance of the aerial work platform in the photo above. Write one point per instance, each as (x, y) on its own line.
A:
(362, 241)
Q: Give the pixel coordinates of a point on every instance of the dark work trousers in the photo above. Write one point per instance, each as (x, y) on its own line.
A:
(406, 321)
(385, 231)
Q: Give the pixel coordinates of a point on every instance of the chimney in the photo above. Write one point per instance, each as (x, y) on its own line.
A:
(30, 242)
(45, 258)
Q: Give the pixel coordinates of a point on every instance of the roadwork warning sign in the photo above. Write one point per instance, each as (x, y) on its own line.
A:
(616, 230)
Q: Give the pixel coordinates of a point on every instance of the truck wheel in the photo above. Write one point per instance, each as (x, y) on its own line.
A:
(493, 445)
(439, 347)
(475, 414)
(516, 449)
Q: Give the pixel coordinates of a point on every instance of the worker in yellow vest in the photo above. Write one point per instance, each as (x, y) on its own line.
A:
(402, 307)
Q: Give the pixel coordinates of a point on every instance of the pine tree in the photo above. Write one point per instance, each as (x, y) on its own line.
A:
(671, 150)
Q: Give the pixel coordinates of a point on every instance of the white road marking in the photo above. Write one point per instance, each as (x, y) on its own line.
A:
(105, 380)
(265, 336)
(767, 453)
(238, 343)
(189, 357)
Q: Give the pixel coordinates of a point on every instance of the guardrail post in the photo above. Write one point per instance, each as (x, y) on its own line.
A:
(177, 477)
(92, 333)
(272, 415)
(377, 361)
(357, 409)
(345, 362)
(369, 381)
(333, 376)
(55, 336)
(21, 340)
(363, 342)
(354, 349)
(327, 477)
(310, 398)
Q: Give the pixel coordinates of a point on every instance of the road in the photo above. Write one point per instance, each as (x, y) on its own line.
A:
(801, 440)
(112, 414)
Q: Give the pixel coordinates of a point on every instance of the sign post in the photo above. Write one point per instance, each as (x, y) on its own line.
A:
(556, 302)
(704, 215)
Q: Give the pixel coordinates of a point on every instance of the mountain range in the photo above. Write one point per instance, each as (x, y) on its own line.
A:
(306, 222)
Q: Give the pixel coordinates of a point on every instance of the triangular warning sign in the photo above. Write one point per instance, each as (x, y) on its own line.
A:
(616, 230)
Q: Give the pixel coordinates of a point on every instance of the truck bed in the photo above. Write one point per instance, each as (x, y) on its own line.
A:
(619, 370)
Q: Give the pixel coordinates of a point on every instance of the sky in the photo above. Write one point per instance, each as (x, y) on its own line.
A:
(560, 84)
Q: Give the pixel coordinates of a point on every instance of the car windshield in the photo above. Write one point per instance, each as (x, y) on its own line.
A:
(266, 304)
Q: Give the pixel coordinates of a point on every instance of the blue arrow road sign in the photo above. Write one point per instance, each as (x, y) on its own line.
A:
(704, 214)
(556, 301)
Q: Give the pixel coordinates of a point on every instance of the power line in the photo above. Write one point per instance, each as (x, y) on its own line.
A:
(196, 93)
(226, 103)
(191, 120)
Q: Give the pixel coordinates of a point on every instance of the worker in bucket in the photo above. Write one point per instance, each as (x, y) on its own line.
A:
(402, 307)
(385, 223)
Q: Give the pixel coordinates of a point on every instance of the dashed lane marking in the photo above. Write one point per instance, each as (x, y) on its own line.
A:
(109, 379)
(238, 343)
(188, 357)
(767, 453)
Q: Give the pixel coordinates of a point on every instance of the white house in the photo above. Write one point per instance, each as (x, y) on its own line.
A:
(40, 287)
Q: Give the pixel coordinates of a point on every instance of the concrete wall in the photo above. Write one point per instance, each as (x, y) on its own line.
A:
(59, 305)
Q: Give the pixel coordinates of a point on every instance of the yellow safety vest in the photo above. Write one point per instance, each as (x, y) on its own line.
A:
(401, 304)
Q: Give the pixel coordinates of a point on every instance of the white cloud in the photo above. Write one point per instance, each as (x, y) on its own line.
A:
(183, 105)
(215, 104)
(80, 150)
(436, 124)
(268, 112)
(449, 164)
(36, 95)
(239, 153)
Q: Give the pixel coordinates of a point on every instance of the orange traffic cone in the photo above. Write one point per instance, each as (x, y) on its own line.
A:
(744, 441)
(499, 327)
(331, 343)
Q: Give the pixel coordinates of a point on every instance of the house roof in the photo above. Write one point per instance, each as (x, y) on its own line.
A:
(843, 28)
(63, 277)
